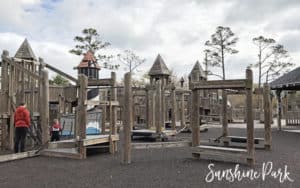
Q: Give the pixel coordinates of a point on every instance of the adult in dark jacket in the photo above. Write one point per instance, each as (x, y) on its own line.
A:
(22, 123)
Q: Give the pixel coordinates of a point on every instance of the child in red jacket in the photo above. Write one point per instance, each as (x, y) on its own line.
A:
(22, 123)
(55, 129)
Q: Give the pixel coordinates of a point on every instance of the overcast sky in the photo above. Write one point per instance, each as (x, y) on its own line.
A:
(177, 29)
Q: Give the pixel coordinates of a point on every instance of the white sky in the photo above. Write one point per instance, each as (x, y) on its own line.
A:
(177, 29)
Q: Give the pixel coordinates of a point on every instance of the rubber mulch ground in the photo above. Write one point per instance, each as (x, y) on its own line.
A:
(152, 168)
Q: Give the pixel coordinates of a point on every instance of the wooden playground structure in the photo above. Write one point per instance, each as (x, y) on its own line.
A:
(25, 79)
(247, 155)
(157, 105)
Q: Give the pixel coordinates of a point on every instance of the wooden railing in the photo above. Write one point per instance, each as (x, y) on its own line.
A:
(293, 118)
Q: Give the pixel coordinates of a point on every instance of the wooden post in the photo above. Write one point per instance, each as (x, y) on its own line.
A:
(174, 108)
(103, 121)
(195, 121)
(148, 104)
(163, 103)
(267, 114)
(111, 145)
(4, 98)
(163, 106)
(32, 93)
(22, 93)
(10, 109)
(103, 127)
(224, 114)
(249, 110)
(81, 113)
(3, 132)
(44, 106)
(158, 108)
(279, 107)
(152, 110)
(133, 111)
(182, 112)
(126, 139)
(114, 98)
(61, 105)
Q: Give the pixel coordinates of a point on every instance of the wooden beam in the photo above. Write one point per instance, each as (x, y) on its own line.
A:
(220, 84)
(61, 73)
(220, 153)
(17, 156)
(157, 145)
(23, 60)
(101, 82)
(103, 103)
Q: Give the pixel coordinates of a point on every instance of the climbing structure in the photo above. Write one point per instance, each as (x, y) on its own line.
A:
(23, 79)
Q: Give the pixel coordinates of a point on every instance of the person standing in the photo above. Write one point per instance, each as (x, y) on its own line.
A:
(55, 129)
(22, 123)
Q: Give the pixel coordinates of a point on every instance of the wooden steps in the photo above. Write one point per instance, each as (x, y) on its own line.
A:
(220, 153)
(62, 144)
(69, 148)
(62, 152)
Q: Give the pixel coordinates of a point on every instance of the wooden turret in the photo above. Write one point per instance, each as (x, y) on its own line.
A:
(197, 73)
(159, 71)
(89, 66)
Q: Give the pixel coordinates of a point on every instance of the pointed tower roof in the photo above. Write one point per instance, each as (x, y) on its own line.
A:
(159, 67)
(88, 60)
(198, 69)
(25, 51)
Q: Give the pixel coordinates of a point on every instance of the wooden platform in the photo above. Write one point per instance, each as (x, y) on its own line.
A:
(98, 139)
(220, 153)
(69, 148)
